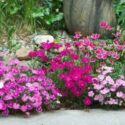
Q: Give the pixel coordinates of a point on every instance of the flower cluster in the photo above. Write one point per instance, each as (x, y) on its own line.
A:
(24, 89)
(72, 65)
(106, 90)
(105, 25)
(75, 70)
(76, 78)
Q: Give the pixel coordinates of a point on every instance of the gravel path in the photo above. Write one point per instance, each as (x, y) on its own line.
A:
(69, 117)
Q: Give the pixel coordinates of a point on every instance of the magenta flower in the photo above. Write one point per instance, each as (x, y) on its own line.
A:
(87, 101)
(85, 59)
(2, 106)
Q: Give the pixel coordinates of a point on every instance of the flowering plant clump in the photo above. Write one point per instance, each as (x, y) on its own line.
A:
(25, 89)
(69, 67)
(106, 90)
(72, 65)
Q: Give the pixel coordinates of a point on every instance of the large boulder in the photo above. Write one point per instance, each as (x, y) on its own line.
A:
(85, 15)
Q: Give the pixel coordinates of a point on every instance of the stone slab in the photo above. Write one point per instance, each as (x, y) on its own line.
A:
(69, 117)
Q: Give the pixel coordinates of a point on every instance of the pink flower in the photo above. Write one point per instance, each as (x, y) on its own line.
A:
(69, 84)
(115, 55)
(76, 92)
(106, 70)
(24, 108)
(104, 82)
(85, 59)
(2, 105)
(24, 98)
(48, 45)
(87, 101)
(113, 88)
(117, 34)
(14, 62)
(119, 94)
(98, 86)
(122, 77)
(116, 42)
(110, 80)
(120, 82)
(104, 91)
(8, 97)
(99, 98)
(74, 56)
(16, 105)
(24, 68)
(105, 25)
(101, 77)
(81, 84)
(95, 36)
(101, 53)
(102, 43)
(77, 35)
(22, 91)
(91, 94)
(112, 102)
(32, 54)
(109, 28)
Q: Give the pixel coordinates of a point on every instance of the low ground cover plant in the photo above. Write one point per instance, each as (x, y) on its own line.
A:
(106, 90)
(73, 65)
(24, 89)
(86, 71)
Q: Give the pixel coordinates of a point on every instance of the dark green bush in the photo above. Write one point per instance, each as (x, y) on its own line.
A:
(120, 13)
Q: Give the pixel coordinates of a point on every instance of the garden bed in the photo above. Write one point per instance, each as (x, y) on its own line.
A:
(83, 73)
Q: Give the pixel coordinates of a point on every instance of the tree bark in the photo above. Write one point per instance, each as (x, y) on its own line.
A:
(85, 15)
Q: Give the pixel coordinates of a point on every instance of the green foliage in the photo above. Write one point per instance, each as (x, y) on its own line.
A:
(120, 13)
(34, 13)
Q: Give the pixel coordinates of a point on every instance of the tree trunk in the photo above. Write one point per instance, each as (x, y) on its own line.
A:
(85, 15)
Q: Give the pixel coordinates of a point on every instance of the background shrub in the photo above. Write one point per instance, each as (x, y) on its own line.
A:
(31, 14)
(120, 13)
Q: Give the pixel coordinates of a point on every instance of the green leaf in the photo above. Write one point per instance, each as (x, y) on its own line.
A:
(38, 13)
(122, 1)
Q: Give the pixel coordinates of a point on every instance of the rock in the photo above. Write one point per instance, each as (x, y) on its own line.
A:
(22, 53)
(63, 36)
(4, 55)
(43, 38)
(1, 56)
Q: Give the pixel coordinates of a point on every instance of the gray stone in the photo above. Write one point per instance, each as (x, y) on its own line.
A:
(43, 38)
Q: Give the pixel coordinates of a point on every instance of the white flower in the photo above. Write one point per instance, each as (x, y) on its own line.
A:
(59, 94)
(1, 84)
(58, 102)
